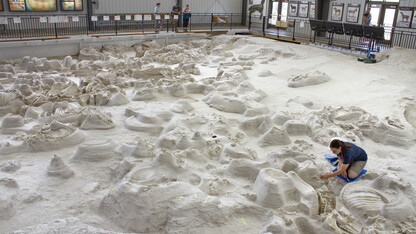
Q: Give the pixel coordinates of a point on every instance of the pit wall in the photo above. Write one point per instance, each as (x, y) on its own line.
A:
(72, 46)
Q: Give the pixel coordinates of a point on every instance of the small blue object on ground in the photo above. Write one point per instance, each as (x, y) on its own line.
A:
(333, 160)
(351, 180)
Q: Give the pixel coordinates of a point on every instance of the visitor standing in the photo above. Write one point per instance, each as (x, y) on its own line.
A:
(186, 16)
(367, 17)
(176, 11)
(158, 19)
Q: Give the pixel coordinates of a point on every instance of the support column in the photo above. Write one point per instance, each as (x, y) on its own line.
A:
(244, 12)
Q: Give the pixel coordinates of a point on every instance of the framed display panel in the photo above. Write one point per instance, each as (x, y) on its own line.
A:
(71, 5)
(404, 17)
(32, 5)
(303, 9)
(17, 5)
(353, 12)
(293, 9)
(312, 10)
(337, 11)
(41, 5)
(1, 5)
(414, 19)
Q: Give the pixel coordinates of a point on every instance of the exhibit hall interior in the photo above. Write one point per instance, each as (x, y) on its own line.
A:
(213, 116)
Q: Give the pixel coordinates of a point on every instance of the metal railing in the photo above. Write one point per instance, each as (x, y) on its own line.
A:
(300, 29)
(28, 27)
(35, 27)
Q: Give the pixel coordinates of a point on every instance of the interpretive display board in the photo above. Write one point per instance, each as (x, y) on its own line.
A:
(303, 9)
(404, 17)
(312, 10)
(71, 5)
(293, 9)
(3, 20)
(41, 5)
(32, 5)
(138, 17)
(337, 11)
(353, 11)
(17, 5)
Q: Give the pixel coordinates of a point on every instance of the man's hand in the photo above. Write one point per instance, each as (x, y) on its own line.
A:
(344, 173)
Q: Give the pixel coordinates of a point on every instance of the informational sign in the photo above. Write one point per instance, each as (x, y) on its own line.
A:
(41, 5)
(128, 17)
(17, 20)
(166, 17)
(75, 19)
(117, 18)
(414, 19)
(312, 10)
(3, 20)
(138, 17)
(404, 17)
(53, 19)
(148, 17)
(337, 11)
(303, 9)
(94, 18)
(176, 17)
(156, 17)
(71, 5)
(63, 19)
(17, 5)
(293, 9)
(353, 11)
(43, 19)
(106, 18)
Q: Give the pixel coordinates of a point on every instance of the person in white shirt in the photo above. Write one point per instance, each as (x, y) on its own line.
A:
(158, 18)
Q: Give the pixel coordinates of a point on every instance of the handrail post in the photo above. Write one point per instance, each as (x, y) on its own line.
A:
(264, 26)
(190, 23)
(56, 31)
(212, 20)
(400, 40)
(231, 22)
(115, 25)
(87, 23)
(294, 29)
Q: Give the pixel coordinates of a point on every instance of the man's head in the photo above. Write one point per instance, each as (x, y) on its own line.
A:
(158, 4)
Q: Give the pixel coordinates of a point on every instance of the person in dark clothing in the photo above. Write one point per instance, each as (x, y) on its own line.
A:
(176, 11)
(352, 159)
(186, 16)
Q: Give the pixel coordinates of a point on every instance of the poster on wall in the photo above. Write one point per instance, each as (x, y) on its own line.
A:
(353, 11)
(41, 5)
(17, 5)
(337, 10)
(404, 17)
(71, 5)
(312, 10)
(303, 9)
(414, 19)
(293, 9)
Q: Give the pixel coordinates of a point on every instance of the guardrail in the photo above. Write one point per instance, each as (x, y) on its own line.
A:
(32, 27)
(296, 29)
(27, 27)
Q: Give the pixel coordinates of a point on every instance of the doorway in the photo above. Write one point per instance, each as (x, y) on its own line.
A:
(278, 11)
(383, 15)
